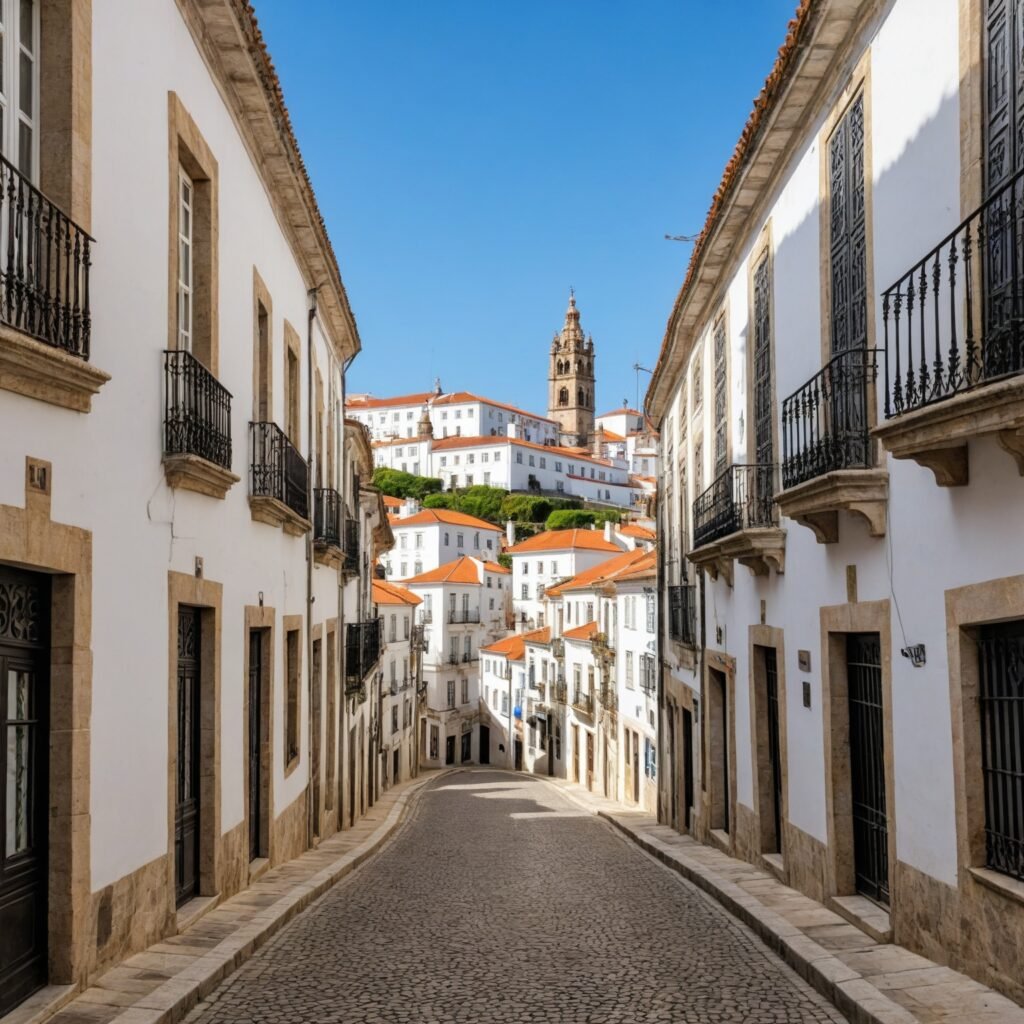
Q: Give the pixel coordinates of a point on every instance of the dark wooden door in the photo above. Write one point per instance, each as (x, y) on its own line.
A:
(771, 678)
(466, 751)
(186, 811)
(255, 740)
(449, 750)
(687, 767)
(24, 769)
(867, 766)
(485, 744)
(590, 760)
(636, 767)
(314, 740)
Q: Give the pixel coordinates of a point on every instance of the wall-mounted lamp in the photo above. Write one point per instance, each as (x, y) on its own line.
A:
(915, 652)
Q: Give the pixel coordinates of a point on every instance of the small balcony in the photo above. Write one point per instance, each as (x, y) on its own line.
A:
(828, 463)
(362, 652)
(954, 338)
(45, 313)
(559, 692)
(278, 480)
(609, 700)
(735, 519)
(197, 427)
(583, 701)
(461, 616)
(350, 546)
(327, 527)
(682, 614)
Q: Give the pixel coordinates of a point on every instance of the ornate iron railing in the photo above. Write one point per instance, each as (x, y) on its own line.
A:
(327, 517)
(648, 676)
(278, 470)
(583, 701)
(956, 318)
(44, 267)
(463, 615)
(682, 613)
(362, 651)
(826, 423)
(350, 544)
(559, 693)
(197, 410)
(469, 656)
(741, 498)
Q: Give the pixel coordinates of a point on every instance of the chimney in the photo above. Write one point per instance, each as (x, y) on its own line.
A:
(510, 533)
(409, 508)
(512, 429)
(609, 532)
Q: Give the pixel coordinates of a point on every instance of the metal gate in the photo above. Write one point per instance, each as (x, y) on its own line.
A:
(255, 739)
(24, 776)
(771, 680)
(763, 406)
(867, 766)
(186, 811)
(1001, 674)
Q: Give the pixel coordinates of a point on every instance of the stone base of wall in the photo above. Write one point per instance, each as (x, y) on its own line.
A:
(806, 862)
(746, 835)
(234, 860)
(289, 829)
(128, 915)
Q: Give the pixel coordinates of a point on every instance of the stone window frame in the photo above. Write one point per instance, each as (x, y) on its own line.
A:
(291, 625)
(292, 413)
(188, 150)
(836, 621)
(725, 665)
(767, 636)
(967, 608)
(332, 661)
(721, 321)
(263, 619)
(207, 596)
(262, 404)
(763, 249)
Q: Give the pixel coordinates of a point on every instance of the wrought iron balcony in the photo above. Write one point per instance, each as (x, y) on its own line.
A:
(278, 471)
(583, 701)
(682, 614)
(469, 656)
(463, 615)
(197, 410)
(362, 651)
(559, 692)
(954, 339)
(44, 269)
(417, 640)
(826, 424)
(558, 647)
(741, 498)
(327, 517)
(736, 519)
(350, 545)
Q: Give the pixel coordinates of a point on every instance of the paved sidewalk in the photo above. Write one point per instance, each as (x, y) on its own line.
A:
(870, 982)
(164, 982)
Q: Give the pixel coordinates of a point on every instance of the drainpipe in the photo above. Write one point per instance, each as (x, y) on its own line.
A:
(341, 457)
(311, 811)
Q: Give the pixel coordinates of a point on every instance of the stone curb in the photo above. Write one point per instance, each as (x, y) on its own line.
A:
(856, 998)
(178, 996)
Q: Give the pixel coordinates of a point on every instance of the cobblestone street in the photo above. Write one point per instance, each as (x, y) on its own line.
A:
(497, 901)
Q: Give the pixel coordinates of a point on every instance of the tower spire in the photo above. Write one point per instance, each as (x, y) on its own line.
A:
(571, 379)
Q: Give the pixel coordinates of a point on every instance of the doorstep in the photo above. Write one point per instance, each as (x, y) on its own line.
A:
(163, 983)
(871, 982)
(41, 1005)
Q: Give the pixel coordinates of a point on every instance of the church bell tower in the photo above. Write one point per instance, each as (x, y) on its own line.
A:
(571, 380)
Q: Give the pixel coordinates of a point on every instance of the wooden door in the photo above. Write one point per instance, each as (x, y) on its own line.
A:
(590, 760)
(449, 750)
(24, 767)
(628, 759)
(187, 809)
(687, 767)
(255, 740)
(485, 744)
(314, 740)
(575, 753)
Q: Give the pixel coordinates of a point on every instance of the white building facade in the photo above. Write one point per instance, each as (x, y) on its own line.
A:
(428, 538)
(840, 401)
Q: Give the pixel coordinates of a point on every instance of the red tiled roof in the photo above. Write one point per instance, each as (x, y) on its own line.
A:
(586, 632)
(565, 540)
(433, 516)
(483, 441)
(600, 573)
(359, 403)
(513, 647)
(495, 567)
(644, 568)
(458, 397)
(462, 570)
(635, 530)
(391, 593)
(390, 502)
(619, 412)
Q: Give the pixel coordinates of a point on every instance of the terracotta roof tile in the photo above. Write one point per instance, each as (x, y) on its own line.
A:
(601, 573)
(462, 570)
(391, 593)
(514, 647)
(446, 516)
(637, 531)
(586, 632)
(496, 567)
(565, 540)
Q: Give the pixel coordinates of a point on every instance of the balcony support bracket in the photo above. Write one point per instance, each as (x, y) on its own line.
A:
(276, 513)
(936, 435)
(817, 503)
(760, 549)
(193, 473)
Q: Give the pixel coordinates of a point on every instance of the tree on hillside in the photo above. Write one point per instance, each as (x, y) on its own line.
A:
(581, 519)
(398, 484)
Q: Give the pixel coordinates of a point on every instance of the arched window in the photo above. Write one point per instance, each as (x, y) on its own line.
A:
(563, 396)
(581, 397)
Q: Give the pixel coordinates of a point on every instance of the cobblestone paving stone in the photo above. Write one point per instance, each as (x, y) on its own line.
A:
(497, 902)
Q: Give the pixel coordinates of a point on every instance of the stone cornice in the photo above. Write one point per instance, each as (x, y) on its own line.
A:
(229, 39)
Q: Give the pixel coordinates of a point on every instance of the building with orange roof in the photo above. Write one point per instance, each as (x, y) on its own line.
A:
(428, 538)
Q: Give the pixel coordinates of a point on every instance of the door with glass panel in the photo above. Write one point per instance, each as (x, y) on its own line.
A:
(24, 774)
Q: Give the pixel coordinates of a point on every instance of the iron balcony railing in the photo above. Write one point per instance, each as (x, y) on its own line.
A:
(350, 544)
(682, 613)
(741, 498)
(469, 656)
(197, 410)
(462, 615)
(426, 615)
(583, 701)
(955, 319)
(44, 267)
(278, 470)
(454, 658)
(362, 651)
(826, 423)
(327, 517)
(559, 693)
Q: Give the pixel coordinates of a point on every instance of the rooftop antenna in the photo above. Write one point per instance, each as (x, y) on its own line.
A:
(638, 369)
(681, 238)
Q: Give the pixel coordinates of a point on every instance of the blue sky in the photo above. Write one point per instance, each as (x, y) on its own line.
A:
(475, 158)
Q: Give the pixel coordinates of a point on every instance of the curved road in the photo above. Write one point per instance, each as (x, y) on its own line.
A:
(498, 902)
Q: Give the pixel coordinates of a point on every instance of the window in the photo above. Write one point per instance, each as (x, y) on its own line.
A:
(186, 258)
(469, 479)
(398, 452)
(476, 541)
(492, 604)
(698, 378)
(540, 591)
(531, 460)
(291, 384)
(446, 539)
(458, 540)
(504, 703)
(394, 719)
(487, 479)
(490, 543)
(650, 613)
(526, 592)
(20, 88)
(444, 460)
(434, 737)
(417, 568)
(590, 611)
(721, 400)
(401, 540)
(451, 693)
(418, 540)
(526, 568)
(470, 458)
(519, 457)
(629, 670)
(405, 627)
(540, 568)
(543, 463)
(497, 457)
(293, 668)
(392, 633)
(465, 691)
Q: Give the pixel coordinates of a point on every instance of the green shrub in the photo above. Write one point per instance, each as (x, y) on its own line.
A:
(580, 519)
(397, 484)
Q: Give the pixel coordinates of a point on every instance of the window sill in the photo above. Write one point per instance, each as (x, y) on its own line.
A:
(1006, 886)
(35, 370)
(196, 908)
(193, 473)
(776, 865)
(720, 838)
(258, 868)
(936, 436)
(277, 513)
(817, 503)
(291, 765)
(869, 917)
